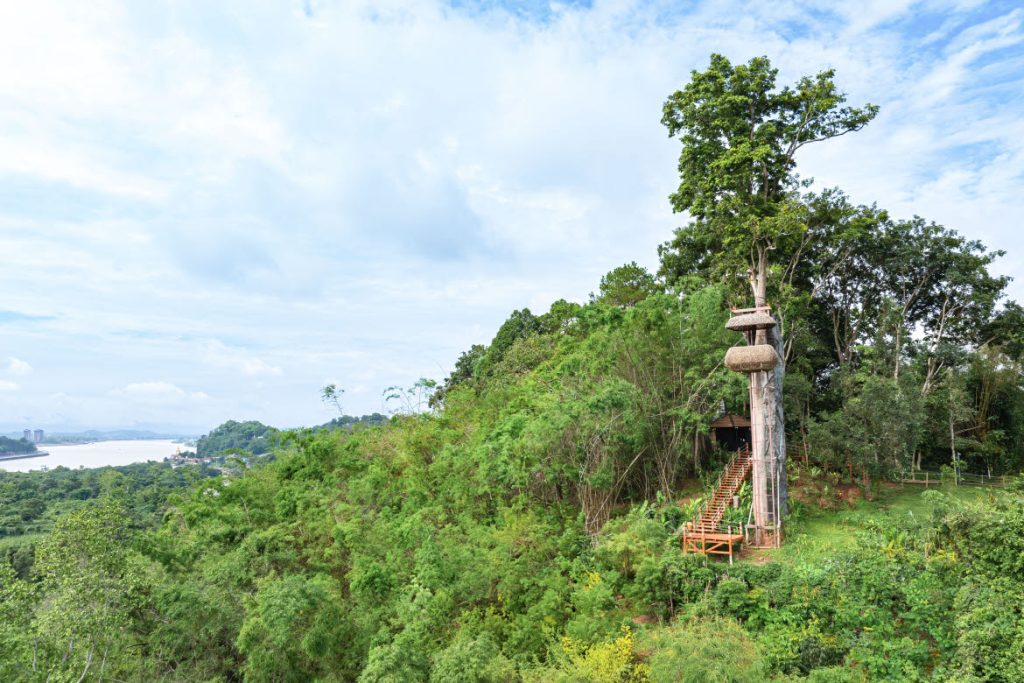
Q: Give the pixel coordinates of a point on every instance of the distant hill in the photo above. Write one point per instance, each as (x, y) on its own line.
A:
(252, 436)
(111, 435)
(98, 435)
(350, 421)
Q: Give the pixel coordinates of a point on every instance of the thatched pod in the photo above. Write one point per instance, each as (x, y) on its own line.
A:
(756, 358)
(750, 321)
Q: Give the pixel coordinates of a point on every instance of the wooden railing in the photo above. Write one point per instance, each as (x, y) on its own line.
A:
(729, 466)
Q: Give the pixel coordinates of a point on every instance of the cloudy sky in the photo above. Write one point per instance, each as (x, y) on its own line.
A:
(209, 210)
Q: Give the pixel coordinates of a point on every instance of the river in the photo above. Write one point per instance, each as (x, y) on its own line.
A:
(96, 454)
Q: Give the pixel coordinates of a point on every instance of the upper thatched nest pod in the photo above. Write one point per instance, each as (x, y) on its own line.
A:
(751, 358)
(750, 321)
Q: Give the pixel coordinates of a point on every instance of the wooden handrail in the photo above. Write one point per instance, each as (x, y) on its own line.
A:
(717, 486)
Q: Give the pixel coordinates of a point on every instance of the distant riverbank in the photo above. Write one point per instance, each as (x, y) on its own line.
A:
(96, 454)
(22, 456)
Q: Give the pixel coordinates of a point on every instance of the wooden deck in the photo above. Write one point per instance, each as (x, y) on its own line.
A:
(711, 543)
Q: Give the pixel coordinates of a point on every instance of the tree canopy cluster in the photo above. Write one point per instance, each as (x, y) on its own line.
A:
(249, 437)
(16, 446)
(32, 502)
(252, 437)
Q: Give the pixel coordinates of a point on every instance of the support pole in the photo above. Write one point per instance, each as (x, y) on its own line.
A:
(767, 423)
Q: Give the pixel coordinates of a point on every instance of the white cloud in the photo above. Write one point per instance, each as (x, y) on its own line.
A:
(222, 356)
(946, 79)
(6, 385)
(162, 392)
(365, 192)
(16, 366)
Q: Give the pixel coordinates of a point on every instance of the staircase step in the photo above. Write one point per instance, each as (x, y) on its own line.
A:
(732, 478)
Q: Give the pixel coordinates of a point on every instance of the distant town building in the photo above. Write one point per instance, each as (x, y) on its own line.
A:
(37, 436)
(27, 435)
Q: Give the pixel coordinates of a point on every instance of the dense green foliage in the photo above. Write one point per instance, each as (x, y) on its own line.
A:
(249, 437)
(868, 304)
(351, 421)
(9, 445)
(394, 554)
(32, 502)
(740, 135)
(255, 438)
(519, 522)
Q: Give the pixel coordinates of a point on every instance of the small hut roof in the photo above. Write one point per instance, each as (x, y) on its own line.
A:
(730, 421)
(746, 322)
(755, 358)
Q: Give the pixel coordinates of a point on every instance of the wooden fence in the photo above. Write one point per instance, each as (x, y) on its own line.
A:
(926, 478)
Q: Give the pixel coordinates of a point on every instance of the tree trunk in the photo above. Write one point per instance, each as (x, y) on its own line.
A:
(804, 436)
(696, 451)
(88, 663)
(952, 445)
(896, 372)
(759, 476)
(778, 427)
(103, 662)
(767, 421)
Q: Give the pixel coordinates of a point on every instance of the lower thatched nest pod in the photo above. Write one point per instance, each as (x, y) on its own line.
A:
(756, 358)
(750, 321)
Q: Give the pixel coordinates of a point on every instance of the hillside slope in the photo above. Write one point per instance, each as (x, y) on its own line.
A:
(523, 532)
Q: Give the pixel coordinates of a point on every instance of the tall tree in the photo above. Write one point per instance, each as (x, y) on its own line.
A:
(938, 284)
(878, 279)
(93, 588)
(740, 135)
(626, 285)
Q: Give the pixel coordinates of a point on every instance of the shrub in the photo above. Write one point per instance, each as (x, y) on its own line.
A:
(472, 660)
(704, 650)
(613, 661)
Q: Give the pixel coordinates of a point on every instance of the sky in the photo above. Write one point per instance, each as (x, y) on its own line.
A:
(210, 210)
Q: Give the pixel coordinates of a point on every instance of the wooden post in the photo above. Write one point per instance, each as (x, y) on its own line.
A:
(758, 451)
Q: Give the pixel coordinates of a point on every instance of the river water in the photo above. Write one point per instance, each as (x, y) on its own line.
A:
(97, 454)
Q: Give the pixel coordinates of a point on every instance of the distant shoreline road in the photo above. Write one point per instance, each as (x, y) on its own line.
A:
(22, 456)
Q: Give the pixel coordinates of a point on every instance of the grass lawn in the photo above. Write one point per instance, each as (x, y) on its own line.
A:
(813, 533)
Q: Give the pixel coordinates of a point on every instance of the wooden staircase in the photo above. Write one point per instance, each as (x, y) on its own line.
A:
(706, 534)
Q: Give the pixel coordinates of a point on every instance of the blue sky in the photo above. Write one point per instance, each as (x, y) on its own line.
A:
(210, 210)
